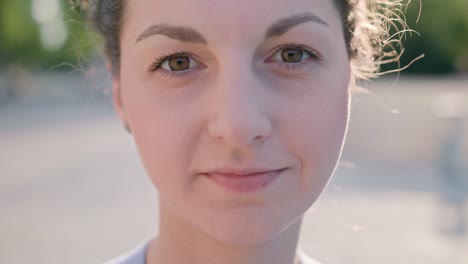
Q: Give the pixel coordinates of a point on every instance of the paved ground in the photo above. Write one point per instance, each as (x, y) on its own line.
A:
(72, 189)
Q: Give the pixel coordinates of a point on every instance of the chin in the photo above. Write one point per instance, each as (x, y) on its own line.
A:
(249, 228)
(246, 236)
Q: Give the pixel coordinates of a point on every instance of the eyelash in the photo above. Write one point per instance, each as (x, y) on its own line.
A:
(286, 66)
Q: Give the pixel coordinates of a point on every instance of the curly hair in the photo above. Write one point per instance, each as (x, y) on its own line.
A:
(373, 31)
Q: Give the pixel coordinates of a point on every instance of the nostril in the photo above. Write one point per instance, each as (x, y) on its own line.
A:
(240, 133)
(238, 119)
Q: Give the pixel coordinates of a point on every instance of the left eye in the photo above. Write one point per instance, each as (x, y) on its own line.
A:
(291, 55)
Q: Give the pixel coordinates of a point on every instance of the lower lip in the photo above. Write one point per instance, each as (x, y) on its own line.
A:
(244, 183)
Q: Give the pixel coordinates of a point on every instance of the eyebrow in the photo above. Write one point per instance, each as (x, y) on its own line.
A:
(188, 34)
(184, 34)
(283, 25)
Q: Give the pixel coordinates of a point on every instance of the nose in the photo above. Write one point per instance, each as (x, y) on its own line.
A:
(239, 114)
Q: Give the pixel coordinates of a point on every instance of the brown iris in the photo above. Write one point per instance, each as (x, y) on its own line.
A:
(292, 55)
(179, 63)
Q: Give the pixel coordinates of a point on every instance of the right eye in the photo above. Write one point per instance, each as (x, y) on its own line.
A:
(177, 62)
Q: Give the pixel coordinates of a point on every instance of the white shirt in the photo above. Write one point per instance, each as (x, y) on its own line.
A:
(138, 256)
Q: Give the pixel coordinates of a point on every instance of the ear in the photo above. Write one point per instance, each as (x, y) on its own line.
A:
(117, 96)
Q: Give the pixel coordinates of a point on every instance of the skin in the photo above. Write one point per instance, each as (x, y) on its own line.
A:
(239, 104)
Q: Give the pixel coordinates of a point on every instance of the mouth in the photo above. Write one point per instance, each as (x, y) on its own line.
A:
(244, 183)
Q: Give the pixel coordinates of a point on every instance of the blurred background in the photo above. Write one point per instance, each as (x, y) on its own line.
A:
(72, 189)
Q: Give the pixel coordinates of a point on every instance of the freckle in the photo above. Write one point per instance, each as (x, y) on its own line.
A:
(240, 154)
(212, 225)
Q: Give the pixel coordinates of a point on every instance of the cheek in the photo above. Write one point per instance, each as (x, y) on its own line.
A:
(316, 126)
(163, 131)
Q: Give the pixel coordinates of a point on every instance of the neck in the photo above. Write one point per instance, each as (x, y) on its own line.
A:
(179, 242)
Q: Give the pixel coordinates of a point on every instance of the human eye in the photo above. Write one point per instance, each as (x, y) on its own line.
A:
(293, 57)
(175, 64)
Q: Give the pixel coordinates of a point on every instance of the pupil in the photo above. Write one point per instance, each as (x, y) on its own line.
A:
(292, 55)
(179, 63)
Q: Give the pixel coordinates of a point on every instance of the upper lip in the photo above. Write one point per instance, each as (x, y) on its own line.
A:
(240, 171)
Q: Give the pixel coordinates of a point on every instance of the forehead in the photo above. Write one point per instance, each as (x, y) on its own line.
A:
(222, 20)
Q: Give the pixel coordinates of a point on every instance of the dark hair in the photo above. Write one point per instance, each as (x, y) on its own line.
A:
(367, 26)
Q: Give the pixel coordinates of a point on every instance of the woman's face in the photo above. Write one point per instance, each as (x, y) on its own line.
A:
(209, 85)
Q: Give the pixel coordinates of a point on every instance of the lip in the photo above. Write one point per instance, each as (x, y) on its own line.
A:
(244, 181)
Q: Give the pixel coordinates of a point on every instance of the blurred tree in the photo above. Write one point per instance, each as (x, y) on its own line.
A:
(18, 34)
(443, 26)
(26, 39)
(443, 29)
